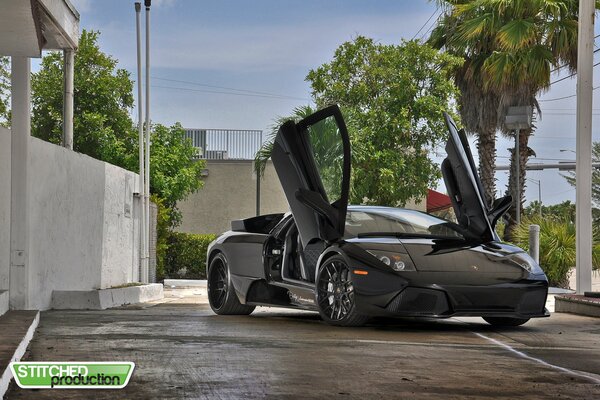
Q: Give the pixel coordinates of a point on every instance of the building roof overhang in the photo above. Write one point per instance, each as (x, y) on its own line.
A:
(29, 26)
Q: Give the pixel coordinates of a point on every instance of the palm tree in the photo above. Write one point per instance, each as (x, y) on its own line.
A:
(478, 106)
(264, 153)
(325, 144)
(510, 48)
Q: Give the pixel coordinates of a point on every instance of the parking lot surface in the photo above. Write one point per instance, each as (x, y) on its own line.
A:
(182, 350)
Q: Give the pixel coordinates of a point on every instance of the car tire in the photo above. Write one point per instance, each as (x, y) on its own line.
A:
(335, 294)
(221, 293)
(505, 321)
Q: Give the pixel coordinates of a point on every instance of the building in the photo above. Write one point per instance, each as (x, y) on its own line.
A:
(231, 190)
(68, 222)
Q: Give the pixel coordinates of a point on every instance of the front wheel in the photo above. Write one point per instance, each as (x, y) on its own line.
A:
(505, 321)
(221, 293)
(335, 294)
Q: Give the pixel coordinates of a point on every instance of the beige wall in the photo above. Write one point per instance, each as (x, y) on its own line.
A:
(229, 193)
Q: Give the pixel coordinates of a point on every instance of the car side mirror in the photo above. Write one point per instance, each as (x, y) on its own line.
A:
(499, 207)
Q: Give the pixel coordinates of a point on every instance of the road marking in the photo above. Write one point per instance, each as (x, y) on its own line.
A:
(591, 377)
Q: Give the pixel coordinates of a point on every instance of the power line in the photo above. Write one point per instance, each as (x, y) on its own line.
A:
(573, 74)
(426, 22)
(431, 26)
(564, 65)
(221, 87)
(230, 93)
(564, 97)
(566, 113)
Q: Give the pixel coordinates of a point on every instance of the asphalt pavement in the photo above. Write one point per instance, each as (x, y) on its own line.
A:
(183, 351)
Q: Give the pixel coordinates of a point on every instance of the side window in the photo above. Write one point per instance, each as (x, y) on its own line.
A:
(326, 145)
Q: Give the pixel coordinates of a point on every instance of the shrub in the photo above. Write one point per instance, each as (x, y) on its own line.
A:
(186, 255)
(557, 247)
(162, 235)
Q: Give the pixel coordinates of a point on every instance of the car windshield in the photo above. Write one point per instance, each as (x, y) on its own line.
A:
(398, 222)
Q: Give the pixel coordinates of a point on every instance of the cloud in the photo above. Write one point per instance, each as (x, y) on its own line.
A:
(272, 47)
(163, 3)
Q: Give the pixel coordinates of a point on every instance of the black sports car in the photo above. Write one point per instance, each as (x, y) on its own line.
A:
(351, 263)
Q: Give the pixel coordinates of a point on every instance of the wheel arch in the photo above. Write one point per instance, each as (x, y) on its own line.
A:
(211, 255)
(327, 254)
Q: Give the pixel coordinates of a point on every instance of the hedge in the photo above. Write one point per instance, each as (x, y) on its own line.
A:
(186, 255)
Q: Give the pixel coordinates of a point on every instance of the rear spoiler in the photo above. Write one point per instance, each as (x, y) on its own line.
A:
(260, 224)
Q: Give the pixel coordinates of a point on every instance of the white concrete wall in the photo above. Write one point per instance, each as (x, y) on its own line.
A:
(82, 223)
(4, 207)
(118, 238)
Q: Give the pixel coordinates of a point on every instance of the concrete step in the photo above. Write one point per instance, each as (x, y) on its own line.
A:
(17, 329)
(105, 298)
(578, 304)
(3, 302)
(184, 283)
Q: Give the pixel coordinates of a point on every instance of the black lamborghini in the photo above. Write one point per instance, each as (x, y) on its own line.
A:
(350, 263)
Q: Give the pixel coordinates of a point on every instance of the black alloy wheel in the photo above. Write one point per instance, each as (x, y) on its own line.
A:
(335, 294)
(221, 293)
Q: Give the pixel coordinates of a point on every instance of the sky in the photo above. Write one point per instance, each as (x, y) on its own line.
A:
(241, 64)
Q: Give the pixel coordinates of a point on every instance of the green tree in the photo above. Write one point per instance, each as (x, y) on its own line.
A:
(4, 91)
(392, 97)
(509, 49)
(174, 171)
(564, 211)
(102, 127)
(264, 153)
(326, 147)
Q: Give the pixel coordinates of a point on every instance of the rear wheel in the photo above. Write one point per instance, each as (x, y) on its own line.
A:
(221, 293)
(335, 294)
(505, 321)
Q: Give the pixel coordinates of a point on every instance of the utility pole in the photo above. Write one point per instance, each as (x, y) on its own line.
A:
(148, 131)
(142, 183)
(539, 183)
(583, 171)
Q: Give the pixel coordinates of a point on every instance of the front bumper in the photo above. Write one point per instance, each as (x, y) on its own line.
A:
(524, 299)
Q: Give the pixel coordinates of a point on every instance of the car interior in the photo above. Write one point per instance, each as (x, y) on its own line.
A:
(288, 259)
(299, 263)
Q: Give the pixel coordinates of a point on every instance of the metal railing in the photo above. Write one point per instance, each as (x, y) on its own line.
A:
(225, 144)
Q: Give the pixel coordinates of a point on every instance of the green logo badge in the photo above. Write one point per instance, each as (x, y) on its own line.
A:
(72, 375)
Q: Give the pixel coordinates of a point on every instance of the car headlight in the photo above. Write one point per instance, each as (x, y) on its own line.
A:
(524, 261)
(399, 262)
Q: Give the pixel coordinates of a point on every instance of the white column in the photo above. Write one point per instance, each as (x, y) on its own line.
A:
(19, 205)
(585, 60)
(68, 75)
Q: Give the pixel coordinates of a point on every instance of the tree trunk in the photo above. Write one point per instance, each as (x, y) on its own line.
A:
(486, 147)
(523, 156)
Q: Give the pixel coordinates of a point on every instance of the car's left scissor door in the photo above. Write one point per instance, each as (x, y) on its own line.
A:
(312, 160)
